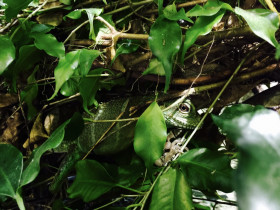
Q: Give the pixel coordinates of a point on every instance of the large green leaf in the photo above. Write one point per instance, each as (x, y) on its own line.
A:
(211, 8)
(11, 164)
(262, 22)
(256, 132)
(150, 135)
(7, 53)
(92, 181)
(171, 192)
(14, 7)
(165, 41)
(32, 167)
(86, 59)
(203, 25)
(89, 86)
(65, 69)
(207, 170)
(49, 44)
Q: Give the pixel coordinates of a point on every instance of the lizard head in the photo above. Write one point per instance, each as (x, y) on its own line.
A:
(183, 115)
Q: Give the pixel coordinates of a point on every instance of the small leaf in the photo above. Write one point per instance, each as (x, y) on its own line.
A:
(203, 25)
(14, 7)
(255, 130)
(11, 164)
(170, 13)
(49, 44)
(150, 135)
(125, 47)
(7, 53)
(207, 170)
(165, 41)
(92, 181)
(262, 22)
(212, 7)
(155, 67)
(89, 86)
(172, 192)
(65, 69)
(32, 167)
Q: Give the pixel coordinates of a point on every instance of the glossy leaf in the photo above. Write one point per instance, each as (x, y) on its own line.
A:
(170, 13)
(89, 86)
(70, 87)
(207, 170)
(7, 53)
(86, 59)
(255, 130)
(165, 41)
(203, 25)
(171, 192)
(155, 67)
(29, 94)
(212, 7)
(65, 69)
(11, 164)
(150, 135)
(92, 181)
(262, 22)
(49, 44)
(14, 7)
(125, 47)
(32, 167)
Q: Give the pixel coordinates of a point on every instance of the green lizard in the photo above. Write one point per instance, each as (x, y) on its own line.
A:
(183, 116)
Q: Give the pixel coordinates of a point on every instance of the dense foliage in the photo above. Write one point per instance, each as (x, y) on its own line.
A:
(99, 81)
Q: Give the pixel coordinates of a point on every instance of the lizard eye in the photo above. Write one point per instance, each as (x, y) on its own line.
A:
(184, 108)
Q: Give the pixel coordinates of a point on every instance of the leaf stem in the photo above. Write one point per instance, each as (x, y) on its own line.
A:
(131, 189)
(19, 201)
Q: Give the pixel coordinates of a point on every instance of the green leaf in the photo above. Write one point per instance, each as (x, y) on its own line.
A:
(29, 94)
(262, 22)
(14, 7)
(150, 135)
(91, 13)
(7, 53)
(32, 167)
(11, 164)
(49, 44)
(89, 86)
(70, 87)
(203, 25)
(92, 181)
(207, 170)
(155, 67)
(172, 192)
(165, 41)
(255, 130)
(86, 59)
(65, 69)
(125, 47)
(170, 13)
(212, 7)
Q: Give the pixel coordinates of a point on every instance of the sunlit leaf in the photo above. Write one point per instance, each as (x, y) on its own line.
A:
(92, 181)
(255, 130)
(203, 25)
(170, 13)
(212, 7)
(7, 53)
(11, 164)
(262, 22)
(32, 167)
(207, 170)
(172, 191)
(70, 87)
(155, 67)
(165, 41)
(150, 132)
(14, 7)
(49, 44)
(65, 69)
